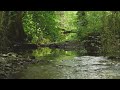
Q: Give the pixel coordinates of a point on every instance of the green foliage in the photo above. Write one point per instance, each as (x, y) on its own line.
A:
(110, 35)
(41, 26)
(67, 20)
(49, 27)
(89, 22)
(106, 23)
(46, 26)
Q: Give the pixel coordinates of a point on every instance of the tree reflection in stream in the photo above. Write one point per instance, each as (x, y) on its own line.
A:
(70, 65)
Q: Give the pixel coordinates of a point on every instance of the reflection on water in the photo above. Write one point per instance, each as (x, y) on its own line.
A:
(70, 65)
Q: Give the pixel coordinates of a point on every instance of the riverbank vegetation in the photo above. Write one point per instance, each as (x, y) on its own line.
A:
(91, 32)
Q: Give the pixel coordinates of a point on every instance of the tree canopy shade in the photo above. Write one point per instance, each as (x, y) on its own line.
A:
(56, 41)
(43, 27)
(46, 26)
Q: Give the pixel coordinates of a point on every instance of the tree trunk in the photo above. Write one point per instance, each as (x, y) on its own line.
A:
(13, 26)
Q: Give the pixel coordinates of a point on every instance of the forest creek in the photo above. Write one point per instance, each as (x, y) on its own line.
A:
(59, 45)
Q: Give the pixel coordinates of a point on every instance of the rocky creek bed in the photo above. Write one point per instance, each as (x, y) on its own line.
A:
(53, 65)
(13, 63)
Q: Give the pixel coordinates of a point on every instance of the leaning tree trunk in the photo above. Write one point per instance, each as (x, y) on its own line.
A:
(14, 26)
(11, 28)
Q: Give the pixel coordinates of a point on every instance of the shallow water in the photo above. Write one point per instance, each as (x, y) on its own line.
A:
(60, 64)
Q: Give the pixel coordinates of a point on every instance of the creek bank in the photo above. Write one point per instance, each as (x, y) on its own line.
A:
(9, 65)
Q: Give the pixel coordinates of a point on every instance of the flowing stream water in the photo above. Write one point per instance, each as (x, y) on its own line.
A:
(61, 64)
